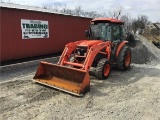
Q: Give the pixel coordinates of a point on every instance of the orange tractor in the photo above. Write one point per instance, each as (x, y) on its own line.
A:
(106, 47)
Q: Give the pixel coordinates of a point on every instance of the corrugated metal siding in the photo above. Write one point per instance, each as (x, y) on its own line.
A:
(62, 29)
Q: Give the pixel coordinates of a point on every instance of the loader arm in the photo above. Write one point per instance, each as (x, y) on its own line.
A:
(69, 48)
(94, 50)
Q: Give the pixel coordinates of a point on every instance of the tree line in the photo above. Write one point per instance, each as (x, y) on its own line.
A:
(131, 24)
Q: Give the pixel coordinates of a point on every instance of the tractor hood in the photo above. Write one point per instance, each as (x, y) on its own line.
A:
(89, 42)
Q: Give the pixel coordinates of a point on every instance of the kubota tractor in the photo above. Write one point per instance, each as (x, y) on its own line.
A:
(104, 48)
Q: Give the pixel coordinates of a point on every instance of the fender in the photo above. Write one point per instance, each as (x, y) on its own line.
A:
(119, 47)
(93, 51)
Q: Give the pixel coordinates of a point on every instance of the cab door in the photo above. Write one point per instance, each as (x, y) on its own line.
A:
(117, 33)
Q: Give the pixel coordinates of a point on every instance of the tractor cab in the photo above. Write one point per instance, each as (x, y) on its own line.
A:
(107, 29)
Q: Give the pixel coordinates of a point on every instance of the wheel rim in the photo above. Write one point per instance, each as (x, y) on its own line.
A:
(127, 59)
(106, 69)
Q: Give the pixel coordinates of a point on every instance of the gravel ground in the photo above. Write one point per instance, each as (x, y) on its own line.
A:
(125, 95)
(145, 52)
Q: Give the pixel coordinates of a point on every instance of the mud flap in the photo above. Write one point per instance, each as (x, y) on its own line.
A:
(71, 80)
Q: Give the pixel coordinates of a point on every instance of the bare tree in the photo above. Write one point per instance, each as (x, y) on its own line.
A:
(127, 21)
(78, 10)
(142, 21)
(69, 11)
(116, 13)
(46, 6)
(135, 25)
(130, 24)
(85, 14)
(56, 6)
(104, 14)
(64, 8)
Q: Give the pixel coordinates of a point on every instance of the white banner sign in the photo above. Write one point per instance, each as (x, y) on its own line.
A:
(34, 29)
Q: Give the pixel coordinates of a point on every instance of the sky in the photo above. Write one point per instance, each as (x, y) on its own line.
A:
(150, 8)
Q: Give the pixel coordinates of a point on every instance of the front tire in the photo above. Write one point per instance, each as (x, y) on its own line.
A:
(103, 69)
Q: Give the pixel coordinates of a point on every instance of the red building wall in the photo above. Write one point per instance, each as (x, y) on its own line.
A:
(62, 29)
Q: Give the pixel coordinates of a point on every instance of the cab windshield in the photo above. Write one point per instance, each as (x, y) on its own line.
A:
(100, 31)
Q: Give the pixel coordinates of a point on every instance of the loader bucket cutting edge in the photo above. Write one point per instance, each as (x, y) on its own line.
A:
(71, 80)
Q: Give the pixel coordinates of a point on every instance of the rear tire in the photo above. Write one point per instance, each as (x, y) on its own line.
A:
(124, 58)
(103, 69)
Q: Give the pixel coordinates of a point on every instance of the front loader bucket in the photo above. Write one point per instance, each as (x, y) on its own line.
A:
(71, 80)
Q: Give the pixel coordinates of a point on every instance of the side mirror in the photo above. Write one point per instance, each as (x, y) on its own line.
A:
(86, 33)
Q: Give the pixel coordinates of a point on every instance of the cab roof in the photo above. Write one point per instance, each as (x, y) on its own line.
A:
(112, 20)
